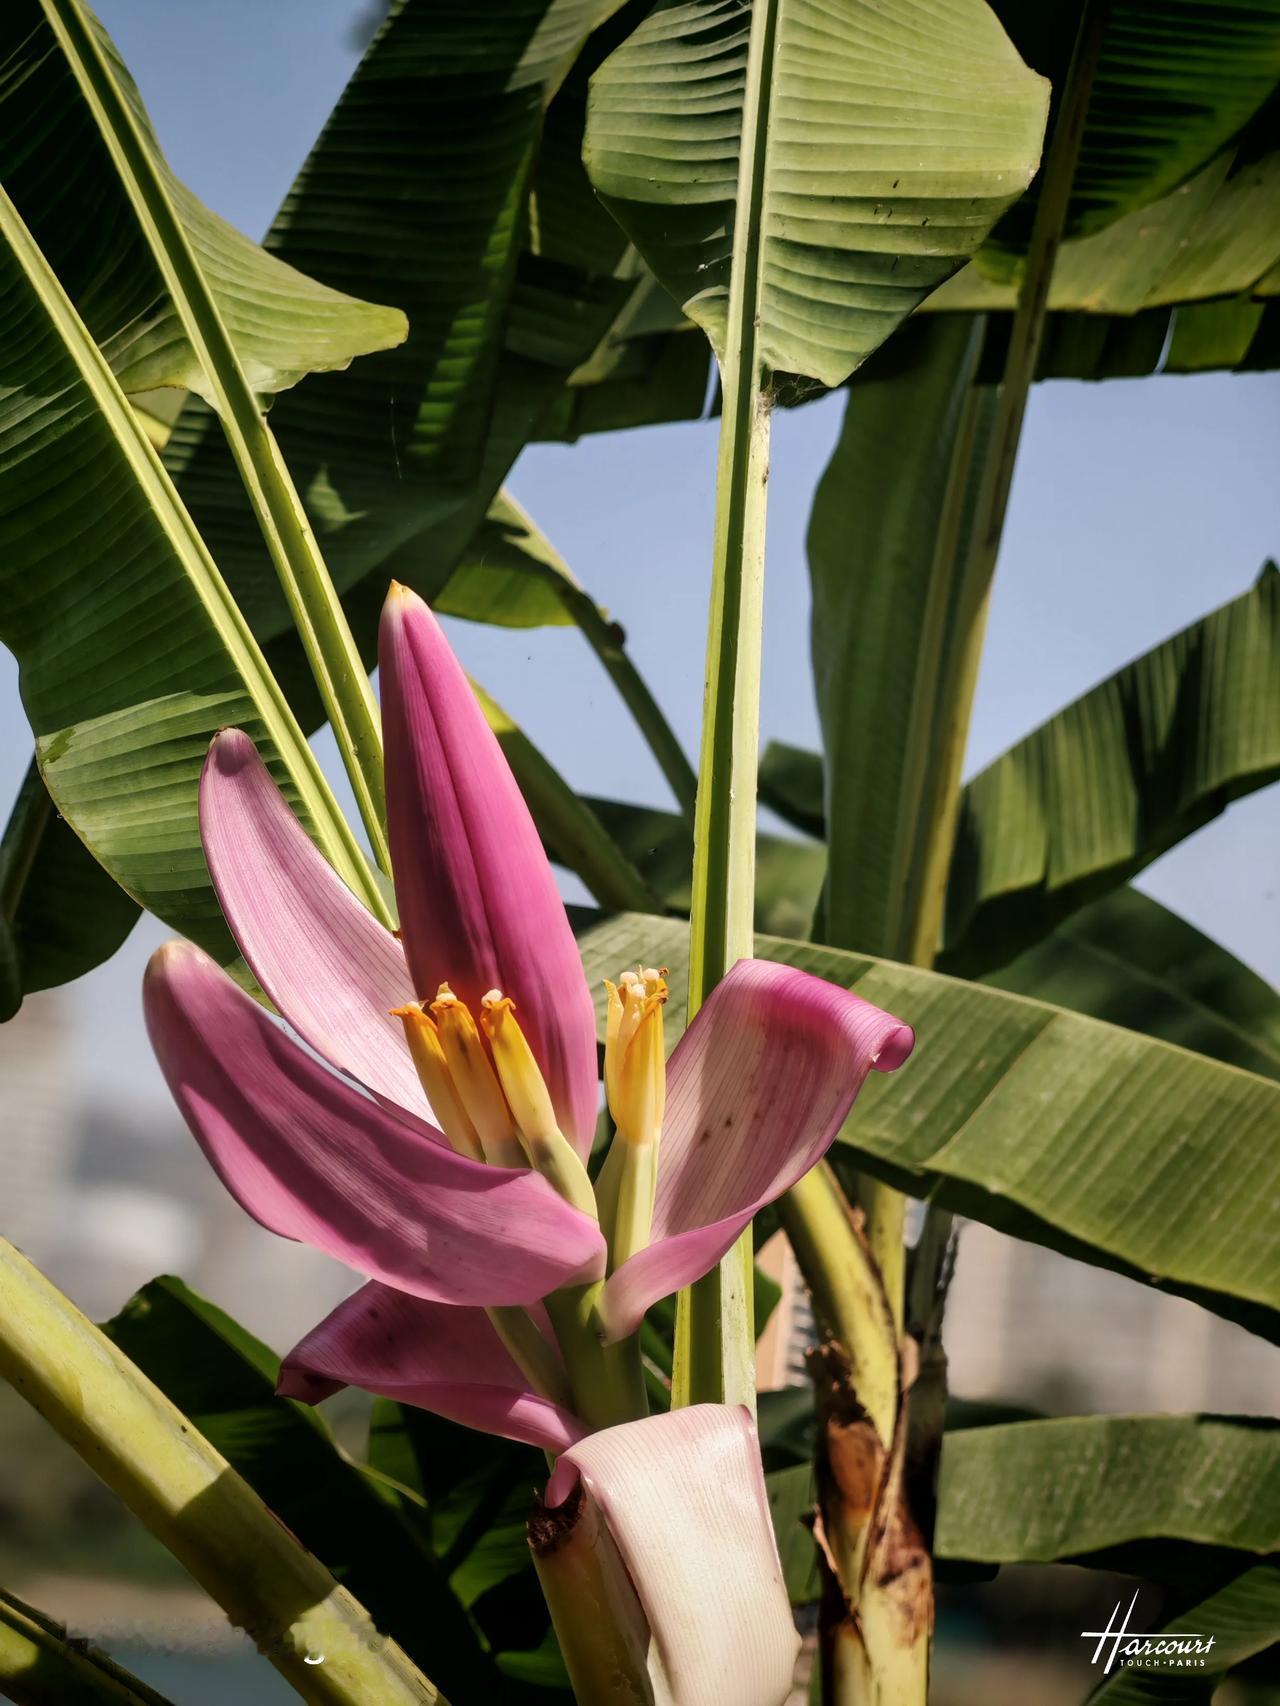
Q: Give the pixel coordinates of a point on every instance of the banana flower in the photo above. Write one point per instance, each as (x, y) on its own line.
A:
(430, 1127)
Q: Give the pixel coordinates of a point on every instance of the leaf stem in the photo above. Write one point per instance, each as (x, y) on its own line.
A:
(608, 642)
(923, 917)
(41, 1664)
(330, 828)
(192, 1500)
(715, 1338)
(313, 601)
(983, 545)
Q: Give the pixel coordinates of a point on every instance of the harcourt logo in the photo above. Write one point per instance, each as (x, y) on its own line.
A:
(1180, 1649)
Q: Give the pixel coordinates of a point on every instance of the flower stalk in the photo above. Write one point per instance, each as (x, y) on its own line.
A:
(195, 1504)
(598, 1619)
(607, 1380)
(531, 1353)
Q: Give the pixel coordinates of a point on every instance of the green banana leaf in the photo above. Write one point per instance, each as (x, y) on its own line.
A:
(1175, 83)
(142, 1447)
(792, 1505)
(1175, 91)
(1046, 1124)
(360, 1524)
(59, 173)
(424, 260)
(476, 1494)
(1108, 784)
(633, 380)
(1098, 792)
(1112, 299)
(510, 574)
(1203, 1486)
(1218, 334)
(791, 785)
(1036, 1492)
(1122, 957)
(1089, 346)
(410, 448)
(1216, 235)
(655, 379)
(131, 653)
(853, 220)
(1243, 1617)
(890, 522)
(1129, 960)
(60, 913)
(1263, 352)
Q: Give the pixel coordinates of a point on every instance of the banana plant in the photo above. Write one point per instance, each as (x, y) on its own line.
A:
(650, 188)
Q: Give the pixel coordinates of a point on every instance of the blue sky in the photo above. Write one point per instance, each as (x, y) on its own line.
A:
(1137, 506)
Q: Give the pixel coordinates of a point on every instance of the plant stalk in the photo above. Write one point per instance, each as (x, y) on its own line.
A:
(313, 601)
(607, 1380)
(317, 1636)
(41, 1665)
(598, 1618)
(848, 1298)
(715, 1337)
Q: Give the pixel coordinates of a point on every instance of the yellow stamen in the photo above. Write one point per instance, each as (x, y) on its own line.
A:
(635, 1077)
(634, 1057)
(423, 1038)
(522, 1082)
(612, 1027)
(530, 1101)
(473, 1079)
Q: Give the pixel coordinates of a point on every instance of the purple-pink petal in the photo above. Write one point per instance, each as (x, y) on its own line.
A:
(757, 1089)
(327, 964)
(312, 1158)
(437, 1357)
(479, 908)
